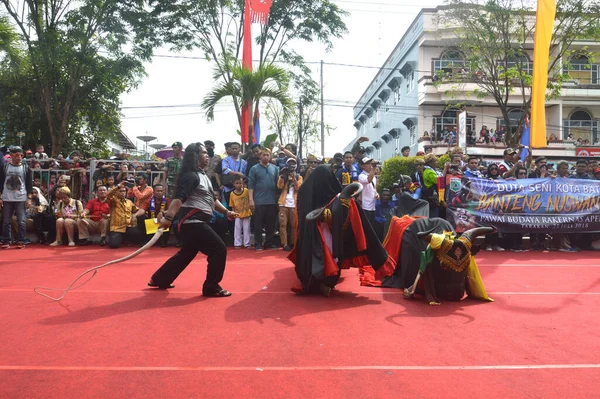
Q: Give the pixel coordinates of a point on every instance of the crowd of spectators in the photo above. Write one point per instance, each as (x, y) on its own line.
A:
(56, 199)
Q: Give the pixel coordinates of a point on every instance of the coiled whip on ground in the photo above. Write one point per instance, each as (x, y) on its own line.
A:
(94, 270)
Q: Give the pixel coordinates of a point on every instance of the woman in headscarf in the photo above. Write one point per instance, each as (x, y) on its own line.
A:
(35, 214)
(340, 237)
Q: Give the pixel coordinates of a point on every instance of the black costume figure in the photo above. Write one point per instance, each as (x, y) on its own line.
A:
(342, 237)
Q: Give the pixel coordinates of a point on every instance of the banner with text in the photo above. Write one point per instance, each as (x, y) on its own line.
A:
(526, 205)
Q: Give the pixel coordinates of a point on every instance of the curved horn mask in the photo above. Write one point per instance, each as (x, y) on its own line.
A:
(315, 214)
(425, 236)
(351, 190)
(476, 232)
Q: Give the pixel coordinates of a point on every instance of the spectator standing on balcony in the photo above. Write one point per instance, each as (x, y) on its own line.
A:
(95, 218)
(16, 191)
(172, 166)
(262, 185)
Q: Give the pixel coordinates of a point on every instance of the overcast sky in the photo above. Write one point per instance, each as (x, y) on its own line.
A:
(374, 30)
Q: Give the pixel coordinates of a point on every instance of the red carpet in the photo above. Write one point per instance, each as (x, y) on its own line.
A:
(116, 338)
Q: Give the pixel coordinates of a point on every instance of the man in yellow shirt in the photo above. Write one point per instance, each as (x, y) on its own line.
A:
(123, 217)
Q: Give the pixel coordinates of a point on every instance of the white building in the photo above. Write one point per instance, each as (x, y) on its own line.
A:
(402, 102)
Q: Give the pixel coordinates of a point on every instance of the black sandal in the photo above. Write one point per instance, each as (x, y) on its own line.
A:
(160, 287)
(218, 294)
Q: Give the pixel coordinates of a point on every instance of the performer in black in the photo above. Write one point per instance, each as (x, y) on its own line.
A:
(341, 238)
(195, 202)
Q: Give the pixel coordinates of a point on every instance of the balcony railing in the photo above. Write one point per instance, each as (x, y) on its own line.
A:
(584, 74)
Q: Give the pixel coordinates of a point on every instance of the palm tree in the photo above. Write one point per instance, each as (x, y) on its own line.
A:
(266, 82)
(10, 54)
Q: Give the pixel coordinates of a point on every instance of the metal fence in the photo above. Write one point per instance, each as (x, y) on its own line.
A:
(82, 183)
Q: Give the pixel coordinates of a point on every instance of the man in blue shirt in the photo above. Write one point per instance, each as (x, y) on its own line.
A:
(262, 189)
(473, 167)
(581, 170)
(232, 165)
(382, 209)
(349, 171)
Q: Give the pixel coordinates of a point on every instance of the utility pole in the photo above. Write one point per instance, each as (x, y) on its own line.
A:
(300, 128)
(322, 115)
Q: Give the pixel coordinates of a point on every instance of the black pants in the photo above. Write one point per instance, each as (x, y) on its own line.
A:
(513, 241)
(196, 237)
(132, 234)
(371, 218)
(49, 224)
(265, 216)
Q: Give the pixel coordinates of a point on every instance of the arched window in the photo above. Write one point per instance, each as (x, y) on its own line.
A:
(515, 116)
(448, 121)
(520, 62)
(581, 71)
(580, 126)
(580, 115)
(452, 62)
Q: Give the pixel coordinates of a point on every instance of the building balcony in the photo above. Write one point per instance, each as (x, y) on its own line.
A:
(556, 149)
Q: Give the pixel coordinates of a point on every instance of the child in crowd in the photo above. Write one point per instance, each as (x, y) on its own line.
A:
(239, 202)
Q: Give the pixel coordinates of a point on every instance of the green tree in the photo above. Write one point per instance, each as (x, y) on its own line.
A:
(287, 124)
(216, 27)
(268, 82)
(495, 39)
(78, 65)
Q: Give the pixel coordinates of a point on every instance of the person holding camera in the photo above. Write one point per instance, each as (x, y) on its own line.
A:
(289, 182)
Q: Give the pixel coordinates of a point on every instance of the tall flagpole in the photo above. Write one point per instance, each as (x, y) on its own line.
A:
(246, 64)
(322, 115)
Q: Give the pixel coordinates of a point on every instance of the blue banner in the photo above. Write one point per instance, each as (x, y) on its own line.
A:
(526, 205)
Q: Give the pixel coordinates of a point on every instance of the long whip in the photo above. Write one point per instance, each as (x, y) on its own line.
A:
(94, 270)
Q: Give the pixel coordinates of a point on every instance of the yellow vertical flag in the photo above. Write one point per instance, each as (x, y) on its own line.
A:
(544, 25)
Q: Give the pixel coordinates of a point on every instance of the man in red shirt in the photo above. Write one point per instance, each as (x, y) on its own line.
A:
(95, 218)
